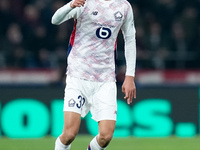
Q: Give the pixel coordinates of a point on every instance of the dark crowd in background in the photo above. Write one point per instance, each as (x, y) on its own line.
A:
(168, 34)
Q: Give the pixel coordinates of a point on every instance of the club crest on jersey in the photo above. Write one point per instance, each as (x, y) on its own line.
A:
(118, 16)
(71, 103)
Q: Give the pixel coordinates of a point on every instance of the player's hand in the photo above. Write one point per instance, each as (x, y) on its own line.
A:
(129, 89)
(77, 3)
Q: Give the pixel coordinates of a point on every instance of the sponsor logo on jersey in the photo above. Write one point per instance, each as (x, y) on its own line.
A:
(118, 16)
(71, 103)
(104, 25)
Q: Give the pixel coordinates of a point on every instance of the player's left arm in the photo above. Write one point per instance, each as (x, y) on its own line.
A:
(128, 30)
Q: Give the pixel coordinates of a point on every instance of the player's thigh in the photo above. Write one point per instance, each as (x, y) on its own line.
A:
(72, 122)
(76, 99)
(106, 128)
(104, 106)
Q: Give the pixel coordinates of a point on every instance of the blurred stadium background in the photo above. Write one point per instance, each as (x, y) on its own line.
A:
(32, 76)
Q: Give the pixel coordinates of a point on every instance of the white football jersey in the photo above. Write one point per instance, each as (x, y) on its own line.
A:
(93, 41)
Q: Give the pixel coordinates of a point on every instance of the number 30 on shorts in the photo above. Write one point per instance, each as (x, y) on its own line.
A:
(81, 101)
(103, 33)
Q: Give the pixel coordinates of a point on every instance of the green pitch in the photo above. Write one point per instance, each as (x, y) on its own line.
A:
(81, 142)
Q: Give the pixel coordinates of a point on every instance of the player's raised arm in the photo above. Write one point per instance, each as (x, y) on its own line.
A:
(72, 9)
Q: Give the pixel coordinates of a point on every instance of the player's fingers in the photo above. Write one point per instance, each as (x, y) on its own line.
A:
(82, 2)
(129, 101)
(126, 95)
(78, 3)
(134, 93)
(129, 97)
(123, 89)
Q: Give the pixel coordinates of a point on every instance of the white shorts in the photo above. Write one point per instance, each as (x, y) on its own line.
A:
(82, 96)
